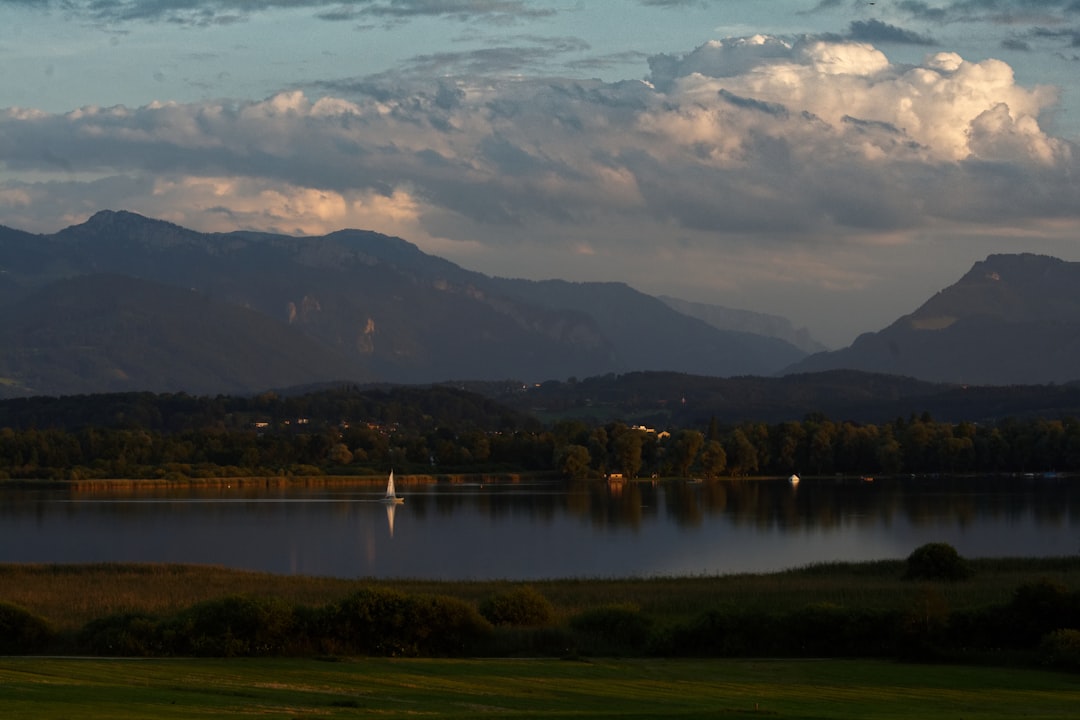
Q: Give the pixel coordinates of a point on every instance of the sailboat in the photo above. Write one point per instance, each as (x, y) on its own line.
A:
(391, 495)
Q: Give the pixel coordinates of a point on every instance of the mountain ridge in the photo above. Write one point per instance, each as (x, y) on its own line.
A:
(395, 313)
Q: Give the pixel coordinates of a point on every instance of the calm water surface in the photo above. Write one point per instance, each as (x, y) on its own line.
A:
(544, 530)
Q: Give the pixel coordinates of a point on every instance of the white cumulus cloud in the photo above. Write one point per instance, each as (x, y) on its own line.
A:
(752, 145)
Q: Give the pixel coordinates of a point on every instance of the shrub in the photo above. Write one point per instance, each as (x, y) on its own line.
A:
(230, 627)
(446, 626)
(1061, 648)
(371, 621)
(826, 629)
(379, 621)
(726, 632)
(1038, 608)
(936, 561)
(523, 607)
(612, 629)
(22, 632)
(127, 635)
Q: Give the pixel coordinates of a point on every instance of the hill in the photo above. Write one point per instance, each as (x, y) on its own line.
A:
(1012, 319)
(662, 399)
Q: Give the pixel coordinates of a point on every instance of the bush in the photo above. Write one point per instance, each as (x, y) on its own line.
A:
(522, 607)
(126, 635)
(727, 632)
(936, 561)
(447, 626)
(233, 626)
(371, 621)
(1038, 608)
(377, 621)
(612, 629)
(828, 630)
(1061, 648)
(22, 632)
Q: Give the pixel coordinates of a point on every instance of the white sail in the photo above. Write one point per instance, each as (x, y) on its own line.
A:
(391, 494)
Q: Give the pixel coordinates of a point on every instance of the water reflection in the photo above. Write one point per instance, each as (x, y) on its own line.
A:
(541, 529)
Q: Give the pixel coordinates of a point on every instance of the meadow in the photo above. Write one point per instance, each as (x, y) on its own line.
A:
(94, 689)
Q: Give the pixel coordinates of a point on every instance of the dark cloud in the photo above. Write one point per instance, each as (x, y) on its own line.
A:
(673, 3)
(997, 11)
(923, 11)
(219, 12)
(1071, 35)
(876, 31)
(1015, 44)
(533, 53)
(863, 125)
(769, 108)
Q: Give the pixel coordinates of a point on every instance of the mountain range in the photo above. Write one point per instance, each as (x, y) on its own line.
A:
(123, 302)
(128, 303)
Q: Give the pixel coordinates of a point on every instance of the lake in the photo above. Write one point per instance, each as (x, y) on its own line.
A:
(536, 530)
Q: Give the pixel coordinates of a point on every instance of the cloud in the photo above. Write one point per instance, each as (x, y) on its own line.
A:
(741, 136)
(876, 31)
(1005, 12)
(219, 12)
(752, 145)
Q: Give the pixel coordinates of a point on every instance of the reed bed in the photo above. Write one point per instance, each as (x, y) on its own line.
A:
(68, 596)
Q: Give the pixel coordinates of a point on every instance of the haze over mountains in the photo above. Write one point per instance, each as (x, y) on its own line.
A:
(123, 302)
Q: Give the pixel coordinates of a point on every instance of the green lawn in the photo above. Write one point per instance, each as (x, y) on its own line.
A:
(44, 688)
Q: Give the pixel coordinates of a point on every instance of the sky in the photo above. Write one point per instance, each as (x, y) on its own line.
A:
(836, 162)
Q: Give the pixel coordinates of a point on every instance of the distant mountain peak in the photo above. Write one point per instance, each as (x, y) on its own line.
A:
(1011, 319)
(121, 218)
(125, 226)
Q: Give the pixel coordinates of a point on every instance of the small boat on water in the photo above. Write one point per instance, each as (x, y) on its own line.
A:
(794, 479)
(391, 494)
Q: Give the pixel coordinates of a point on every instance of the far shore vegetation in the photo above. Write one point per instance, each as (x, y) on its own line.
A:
(443, 431)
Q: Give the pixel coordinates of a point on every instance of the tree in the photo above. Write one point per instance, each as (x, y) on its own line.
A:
(628, 452)
(686, 447)
(936, 561)
(713, 459)
(573, 461)
(742, 455)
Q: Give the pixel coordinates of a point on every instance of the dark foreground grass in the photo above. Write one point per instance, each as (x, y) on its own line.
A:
(44, 688)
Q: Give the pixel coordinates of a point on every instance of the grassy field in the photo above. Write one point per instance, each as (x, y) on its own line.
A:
(42, 688)
(68, 596)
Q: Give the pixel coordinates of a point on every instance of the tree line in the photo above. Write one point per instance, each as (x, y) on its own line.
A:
(441, 429)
